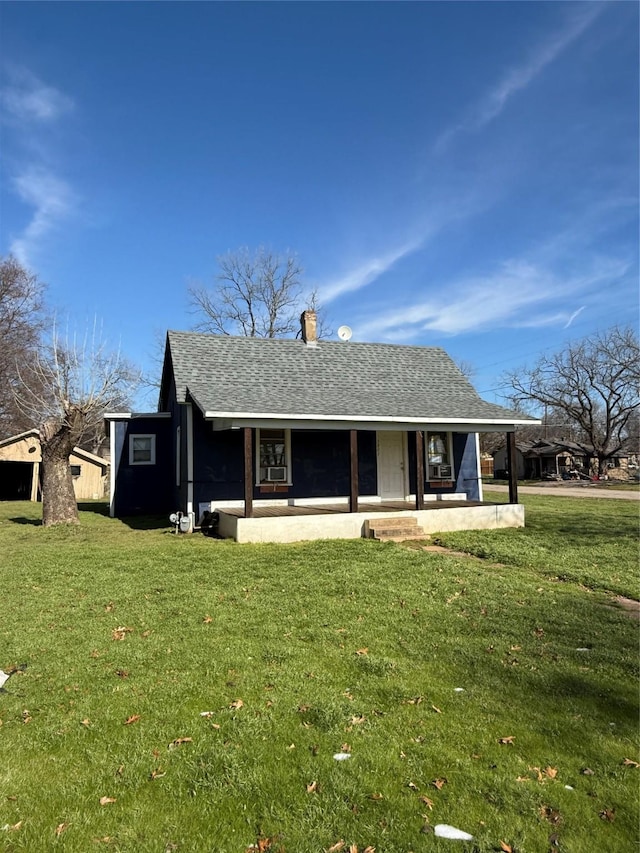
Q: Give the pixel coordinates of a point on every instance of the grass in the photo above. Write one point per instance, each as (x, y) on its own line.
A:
(300, 652)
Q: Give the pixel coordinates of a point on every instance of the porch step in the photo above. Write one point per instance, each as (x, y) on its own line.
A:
(394, 529)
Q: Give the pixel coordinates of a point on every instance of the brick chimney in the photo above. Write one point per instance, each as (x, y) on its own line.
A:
(309, 324)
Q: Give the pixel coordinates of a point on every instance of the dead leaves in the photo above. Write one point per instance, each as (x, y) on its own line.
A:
(179, 741)
(236, 705)
(629, 763)
(353, 848)
(551, 814)
(107, 801)
(60, 828)
(507, 741)
(121, 633)
(439, 783)
(132, 719)
(312, 787)
(608, 815)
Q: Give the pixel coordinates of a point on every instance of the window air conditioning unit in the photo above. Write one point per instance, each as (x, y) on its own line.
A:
(440, 472)
(276, 475)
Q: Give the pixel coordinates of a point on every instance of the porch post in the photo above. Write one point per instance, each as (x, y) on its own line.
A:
(248, 473)
(353, 478)
(512, 465)
(419, 469)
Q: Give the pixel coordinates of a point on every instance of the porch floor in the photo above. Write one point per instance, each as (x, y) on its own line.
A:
(280, 511)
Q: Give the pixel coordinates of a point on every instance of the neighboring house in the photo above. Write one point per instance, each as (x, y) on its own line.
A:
(20, 459)
(558, 458)
(248, 422)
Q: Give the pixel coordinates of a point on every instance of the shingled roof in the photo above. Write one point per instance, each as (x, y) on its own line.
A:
(231, 377)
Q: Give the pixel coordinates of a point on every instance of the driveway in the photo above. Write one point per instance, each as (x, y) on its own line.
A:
(560, 490)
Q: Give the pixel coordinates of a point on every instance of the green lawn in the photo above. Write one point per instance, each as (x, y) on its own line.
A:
(300, 652)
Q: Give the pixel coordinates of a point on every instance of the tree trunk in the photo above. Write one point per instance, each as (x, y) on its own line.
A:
(58, 497)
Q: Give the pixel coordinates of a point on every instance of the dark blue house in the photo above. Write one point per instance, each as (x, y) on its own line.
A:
(249, 422)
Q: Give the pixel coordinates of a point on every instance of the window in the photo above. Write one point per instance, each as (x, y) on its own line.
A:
(142, 450)
(76, 470)
(439, 456)
(273, 449)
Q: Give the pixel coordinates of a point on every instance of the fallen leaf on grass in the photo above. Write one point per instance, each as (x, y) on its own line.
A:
(120, 770)
(207, 619)
(428, 803)
(86, 722)
(12, 828)
(550, 772)
(106, 801)
(550, 814)
(507, 741)
(335, 848)
(237, 705)
(26, 717)
(122, 673)
(587, 771)
(413, 786)
(506, 848)
(108, 607)
(357, 720)
(158, 773)
(629, 763)
(60, 828)
(376, 797)
(415, 701)
(121, 632)
(437, 710)
(179, 741)
(361, 652)
(132, 719)
(439, 783)
(312, 787)
(607, 814)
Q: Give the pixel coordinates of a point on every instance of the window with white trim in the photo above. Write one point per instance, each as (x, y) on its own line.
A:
(439, 456)
(273, 451)
(142, 449)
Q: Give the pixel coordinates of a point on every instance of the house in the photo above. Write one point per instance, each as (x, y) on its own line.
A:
(256, 427)
(559, 459)
(20, 459)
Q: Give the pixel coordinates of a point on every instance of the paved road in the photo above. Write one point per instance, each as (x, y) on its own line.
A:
(569, 492)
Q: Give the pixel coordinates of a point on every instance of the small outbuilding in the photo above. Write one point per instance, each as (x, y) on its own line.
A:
(20, 459)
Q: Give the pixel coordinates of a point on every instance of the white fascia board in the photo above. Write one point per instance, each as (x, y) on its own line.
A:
(234, 420)
(127, 416)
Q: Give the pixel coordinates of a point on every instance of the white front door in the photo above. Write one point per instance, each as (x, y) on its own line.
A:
(392, 481)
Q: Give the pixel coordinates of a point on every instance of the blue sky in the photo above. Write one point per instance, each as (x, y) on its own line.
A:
(454, 174)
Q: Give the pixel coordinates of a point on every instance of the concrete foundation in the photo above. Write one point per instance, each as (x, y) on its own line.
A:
(344, 525)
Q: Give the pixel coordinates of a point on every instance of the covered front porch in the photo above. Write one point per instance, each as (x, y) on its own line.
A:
(335, 520)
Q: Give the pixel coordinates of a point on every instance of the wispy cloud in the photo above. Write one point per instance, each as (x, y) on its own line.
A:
(519, 294)
(51, 198)
(27, 99)
(574, 315)
(28, 107)
(516, 79)
(366, 272)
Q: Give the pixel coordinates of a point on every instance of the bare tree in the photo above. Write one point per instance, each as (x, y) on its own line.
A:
(594, 384)
(258, 294)
(66, 388)
(22, 319)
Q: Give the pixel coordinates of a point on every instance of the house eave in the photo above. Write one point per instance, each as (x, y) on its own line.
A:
(237, 420)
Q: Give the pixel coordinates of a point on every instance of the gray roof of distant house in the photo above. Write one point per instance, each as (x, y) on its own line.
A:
(235, 376)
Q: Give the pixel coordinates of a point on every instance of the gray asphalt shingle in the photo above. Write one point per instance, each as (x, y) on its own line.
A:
(345, 380)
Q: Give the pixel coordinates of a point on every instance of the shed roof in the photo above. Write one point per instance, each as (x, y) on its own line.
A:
(231, 377)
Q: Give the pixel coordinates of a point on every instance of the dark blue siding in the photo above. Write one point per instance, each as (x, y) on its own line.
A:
(142, 489)
(320, 464)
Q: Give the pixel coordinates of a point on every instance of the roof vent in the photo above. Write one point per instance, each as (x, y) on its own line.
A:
(309, 324)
